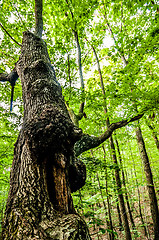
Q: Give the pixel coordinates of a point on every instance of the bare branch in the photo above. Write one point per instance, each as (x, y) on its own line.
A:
(19, 16)
(9, 35)
(3, 53)
(87, 141)
(117, 125)
(86, 56)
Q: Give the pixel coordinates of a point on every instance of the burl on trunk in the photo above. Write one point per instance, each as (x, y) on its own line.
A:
(44, 171)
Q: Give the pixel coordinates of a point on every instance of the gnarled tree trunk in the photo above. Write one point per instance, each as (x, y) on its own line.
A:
(39, 204)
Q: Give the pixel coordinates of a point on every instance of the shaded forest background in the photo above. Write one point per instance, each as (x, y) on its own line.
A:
(105, 55)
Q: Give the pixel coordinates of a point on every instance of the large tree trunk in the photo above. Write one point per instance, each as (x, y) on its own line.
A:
(39, 204)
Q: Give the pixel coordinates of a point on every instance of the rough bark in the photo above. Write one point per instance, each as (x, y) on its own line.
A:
(150, 184)
(39, 204)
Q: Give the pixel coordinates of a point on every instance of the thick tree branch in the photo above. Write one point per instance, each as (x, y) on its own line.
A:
(9, 35)
(11, 77)
(4, 77)
(38, 17)
(75, 117)
(87, 142)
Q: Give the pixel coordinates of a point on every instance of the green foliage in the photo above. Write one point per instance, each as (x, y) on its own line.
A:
(125, 36)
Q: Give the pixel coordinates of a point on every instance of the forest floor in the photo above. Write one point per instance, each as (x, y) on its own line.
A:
(99, 232)
(97, 235)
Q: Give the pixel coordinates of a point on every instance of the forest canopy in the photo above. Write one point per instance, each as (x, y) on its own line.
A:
(103, 58)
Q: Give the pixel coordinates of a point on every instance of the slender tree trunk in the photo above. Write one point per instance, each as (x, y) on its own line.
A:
(154, 134)
(75, 33)
(124, 183)
(38, 17)
(145, 215)
(69, 70)
(39, 204)
(80, 71)
(80, 205)
(116, 193)
(117, 174)
(108, 198)
(140, 211)
(119, 216)
(111, 235)
(152, 195)
(138, 192)
(120, 194)
(150, 184)
(77, 117)
(79, 59)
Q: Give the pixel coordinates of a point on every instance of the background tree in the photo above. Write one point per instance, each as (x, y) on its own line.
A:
(133, 27)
